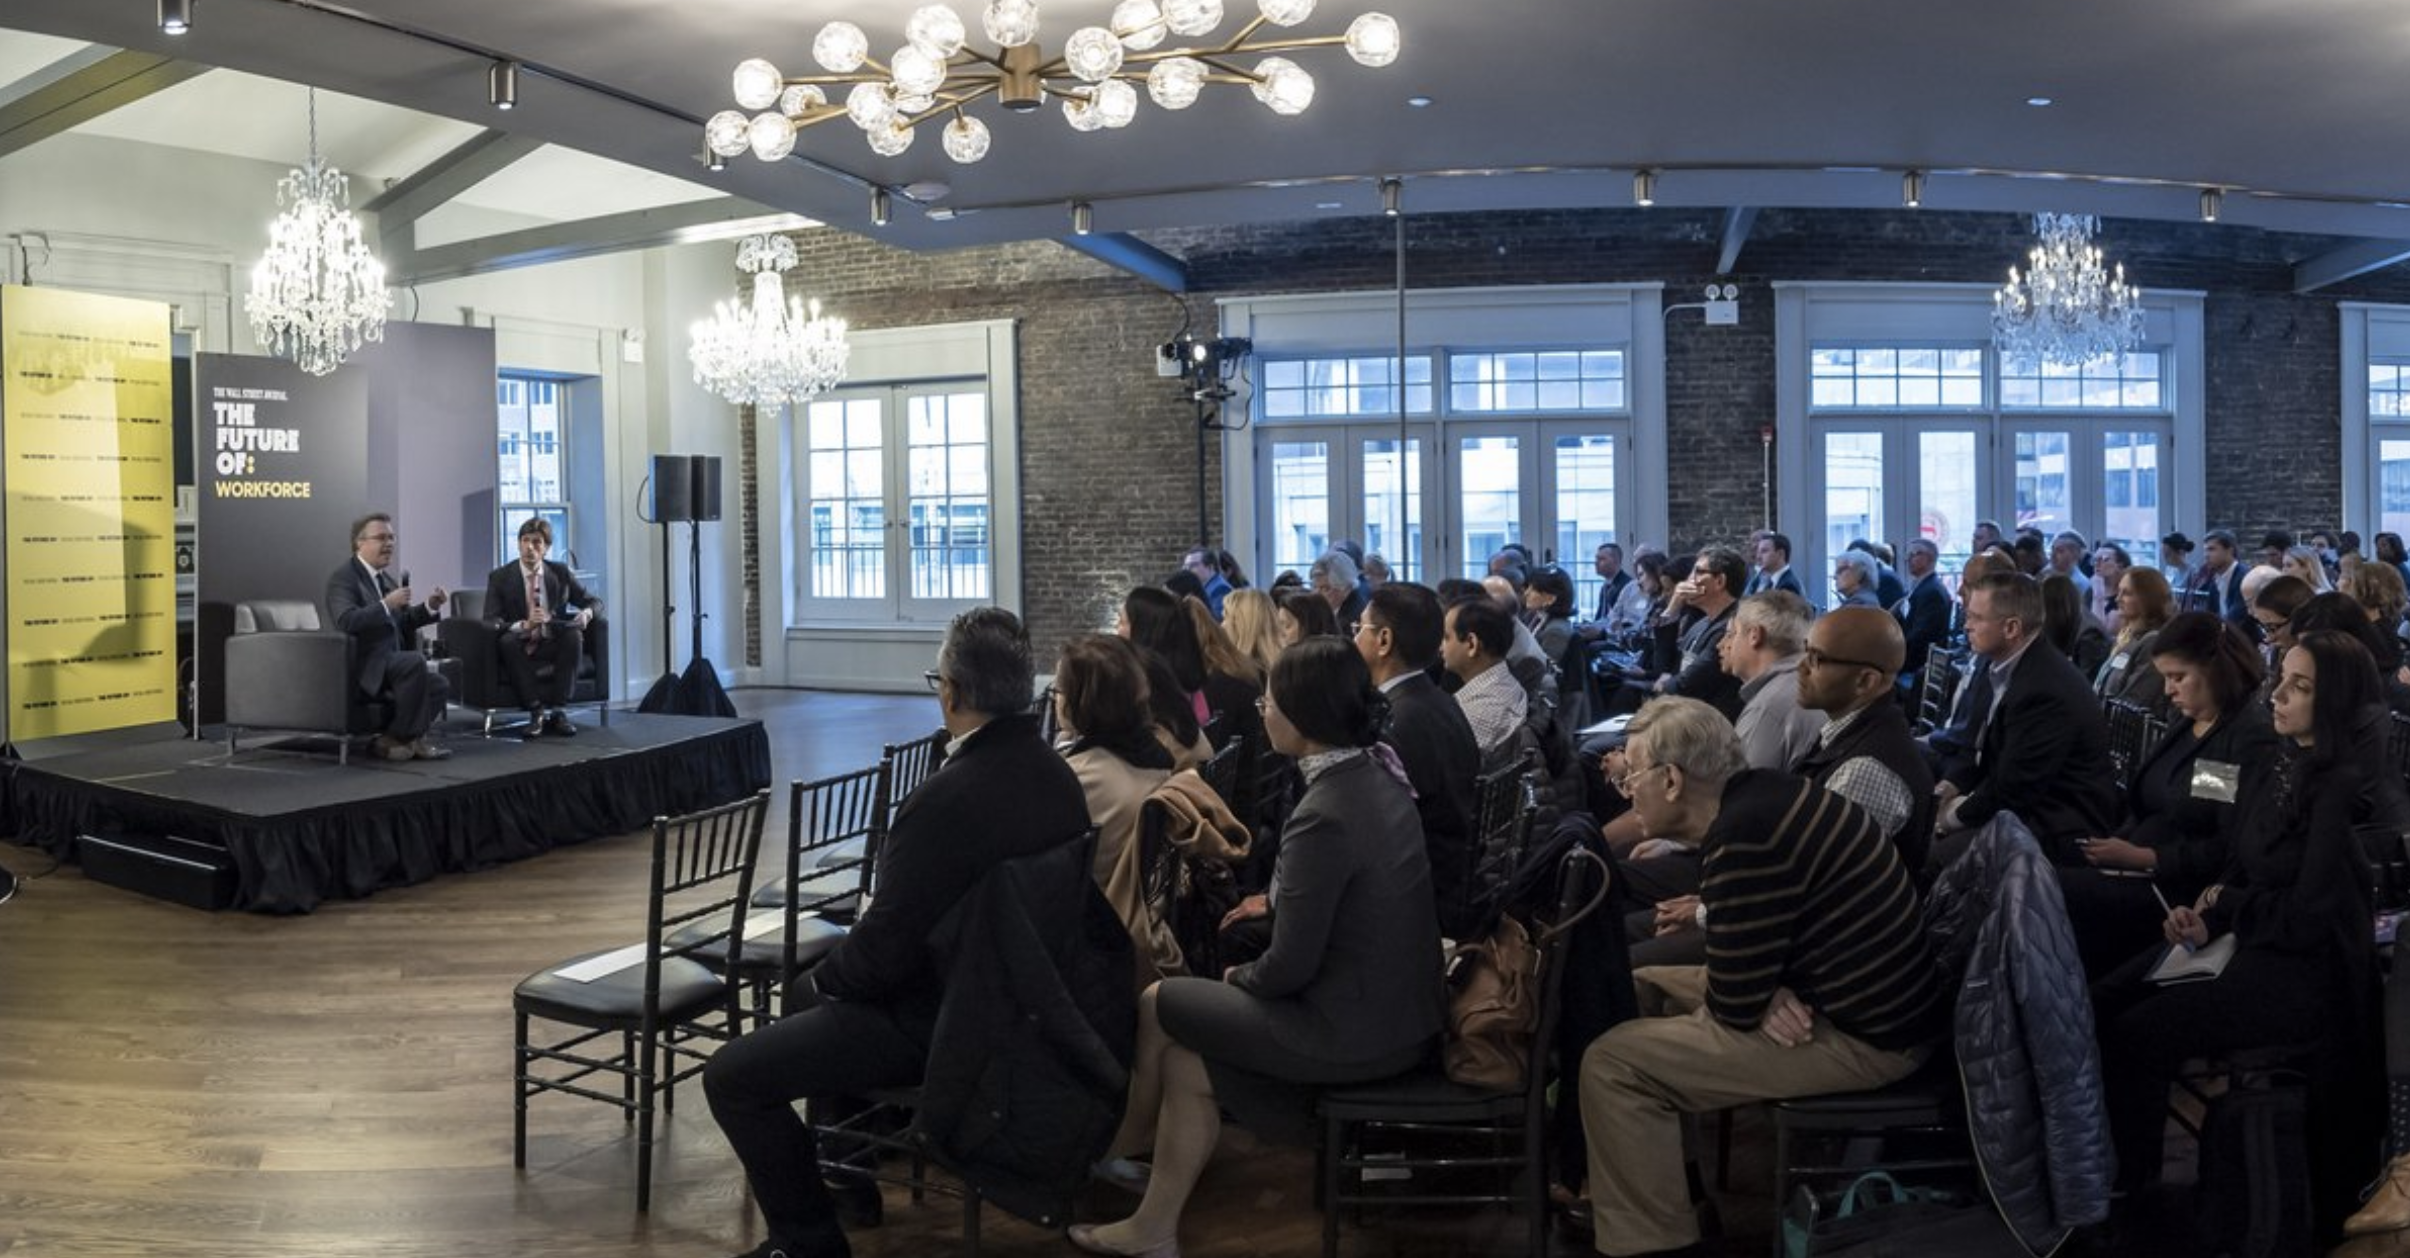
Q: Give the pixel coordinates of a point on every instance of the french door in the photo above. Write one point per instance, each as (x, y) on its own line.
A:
(1322, 484)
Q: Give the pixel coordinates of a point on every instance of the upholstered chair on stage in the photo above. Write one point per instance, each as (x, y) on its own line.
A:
(481, 684)
(285, 672)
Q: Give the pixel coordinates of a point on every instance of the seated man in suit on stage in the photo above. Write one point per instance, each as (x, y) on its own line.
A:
(540, 614)
(2042, 751)
(869, 1009)
(365, 602)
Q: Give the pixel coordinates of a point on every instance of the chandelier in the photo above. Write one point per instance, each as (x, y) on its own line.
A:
(317, 294)
(772, 351)
(936, 73)
(2066, 309)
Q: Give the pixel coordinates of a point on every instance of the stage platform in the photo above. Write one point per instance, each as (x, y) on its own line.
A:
(301, 829)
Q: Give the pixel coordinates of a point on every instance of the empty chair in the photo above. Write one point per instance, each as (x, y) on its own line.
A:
(641, 1014)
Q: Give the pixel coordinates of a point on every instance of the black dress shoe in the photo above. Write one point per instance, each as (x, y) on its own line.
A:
(556, 724)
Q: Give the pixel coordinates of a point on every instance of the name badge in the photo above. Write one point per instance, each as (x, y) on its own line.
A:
(2118, 661)
(2215, 780)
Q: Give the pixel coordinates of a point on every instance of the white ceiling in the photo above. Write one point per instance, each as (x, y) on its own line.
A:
(1538, 103)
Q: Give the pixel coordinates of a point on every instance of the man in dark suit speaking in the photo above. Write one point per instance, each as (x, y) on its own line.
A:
(539, 614)
(367, 603)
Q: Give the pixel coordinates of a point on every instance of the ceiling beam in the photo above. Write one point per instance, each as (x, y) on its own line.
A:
(1129, 253)
(2348, 262)
(81, 87)
(722, 218)
(1738, 222)
(485, 155)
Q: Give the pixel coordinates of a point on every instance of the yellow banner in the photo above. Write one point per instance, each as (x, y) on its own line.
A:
(86, 444)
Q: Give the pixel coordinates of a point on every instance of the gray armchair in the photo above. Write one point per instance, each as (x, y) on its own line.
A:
(285, 672)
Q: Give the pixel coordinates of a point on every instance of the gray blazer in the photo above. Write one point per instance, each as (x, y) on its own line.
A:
(1353, 970)
(2129, 675)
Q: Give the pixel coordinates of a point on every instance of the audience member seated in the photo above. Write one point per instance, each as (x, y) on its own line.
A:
(2217, 585)
(1761, 651)
(2043, 749)
(867, 1011)
(1772, 553)
(1924, 612)
(1817, 978)
(2030, 554)
(2144, 606)
(2304, 562)
(1202, 565)
(2071, 629)
(1399, 639)
(1888, 588)
(2272, 612)
(2110, 563)
(1854, 580)
(1154, 619)
(1232, 685)
(1693, 626)
(2068, 551)
(2378, 588)
(2175, 563)
(1473, 646)
(1303, 614)
(1349, 989)
(1548, 600)
(1253, 624)
(2180, 796)
(1950, 746)
(1100, 706)
(539, 613)
(1339, 581)
(2293, 891)
(2343, 613)
(1613, 580)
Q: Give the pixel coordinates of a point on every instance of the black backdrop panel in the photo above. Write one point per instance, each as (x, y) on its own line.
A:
(282, 471)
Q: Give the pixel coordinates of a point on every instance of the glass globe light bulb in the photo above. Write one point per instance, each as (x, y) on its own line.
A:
(801, 99)
(891, 139)
(917, 71)
(1116, 103)
(841, 48)
(870, 106)
(756, 83)
(1285, 12)
(772, 136)
(1372, 39)
(1140, 23)
(1192, 17)
(1011, 23)
(1283, 86)
(936, 28)
(1082, 114)
(966, 139)
(1175, 82)
(728, 133)
(907, 106)
(1092, 53)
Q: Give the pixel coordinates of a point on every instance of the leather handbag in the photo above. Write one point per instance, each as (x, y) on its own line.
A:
(1493, 1008)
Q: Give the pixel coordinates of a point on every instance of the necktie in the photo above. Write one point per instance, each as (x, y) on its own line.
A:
(535, 603)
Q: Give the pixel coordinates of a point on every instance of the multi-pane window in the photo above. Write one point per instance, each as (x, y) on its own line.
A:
(846, 482)
(898, 501)
(532, 422)
(1887, 377)
(2114, 382)
(1523, 382)
(2388, 410)
(1313, 388)
(947, 433)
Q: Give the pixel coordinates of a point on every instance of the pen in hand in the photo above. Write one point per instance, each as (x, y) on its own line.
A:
(2169, 911)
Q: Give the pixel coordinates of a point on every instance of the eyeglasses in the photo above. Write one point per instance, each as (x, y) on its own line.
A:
(930, 677)
(380, 537)
(1813, 658)
(2277, 625)
(1623, 785)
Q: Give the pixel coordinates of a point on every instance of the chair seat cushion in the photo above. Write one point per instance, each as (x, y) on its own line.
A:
(842, 853)
(616, 1000)
(1928, 1098)
(836, 894)
(1426, 1094)
(814, 937)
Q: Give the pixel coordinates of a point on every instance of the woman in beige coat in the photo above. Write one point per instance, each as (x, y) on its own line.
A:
(1100, 704)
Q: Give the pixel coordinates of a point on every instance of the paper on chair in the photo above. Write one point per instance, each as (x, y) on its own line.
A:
(604, 966)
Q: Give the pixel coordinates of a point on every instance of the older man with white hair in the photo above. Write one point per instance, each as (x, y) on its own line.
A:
(1337, 579)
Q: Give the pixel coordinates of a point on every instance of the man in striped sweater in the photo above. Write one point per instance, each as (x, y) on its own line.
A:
(1817, 977)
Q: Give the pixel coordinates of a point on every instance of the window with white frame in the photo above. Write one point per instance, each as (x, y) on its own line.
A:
(532, 443)
(1351, 385)
(896, 502)
(2389, 428)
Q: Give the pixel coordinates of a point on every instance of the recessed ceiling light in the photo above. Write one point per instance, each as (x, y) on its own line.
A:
(1419, 102)
(2039, 102)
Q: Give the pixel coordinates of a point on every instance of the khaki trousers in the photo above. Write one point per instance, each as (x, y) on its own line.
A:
(1641, 1077)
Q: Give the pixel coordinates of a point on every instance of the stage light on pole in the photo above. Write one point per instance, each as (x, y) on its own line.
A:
(175, 16)
(502, 84)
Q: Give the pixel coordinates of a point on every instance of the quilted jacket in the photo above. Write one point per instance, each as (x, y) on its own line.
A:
(2023, 1032)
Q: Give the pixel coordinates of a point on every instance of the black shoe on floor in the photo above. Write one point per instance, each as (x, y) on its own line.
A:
(859, 1206)
(556, 724)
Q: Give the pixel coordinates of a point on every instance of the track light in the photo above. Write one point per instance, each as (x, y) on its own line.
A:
(502, 84)
(1083, 218)
(712, 161)
(175, 16)
(1912, 189)
(880, 204)
(1390, 189)
(2212, 200)
(1644, 188)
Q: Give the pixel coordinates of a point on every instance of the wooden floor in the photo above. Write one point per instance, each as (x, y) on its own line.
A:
(178, 1082)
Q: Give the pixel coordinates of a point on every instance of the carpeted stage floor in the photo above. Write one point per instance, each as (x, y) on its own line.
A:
(301, 828)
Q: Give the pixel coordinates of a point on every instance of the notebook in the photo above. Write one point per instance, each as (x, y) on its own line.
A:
(2207, 962)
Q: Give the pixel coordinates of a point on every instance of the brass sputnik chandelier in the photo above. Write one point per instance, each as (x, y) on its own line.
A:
(936, 73)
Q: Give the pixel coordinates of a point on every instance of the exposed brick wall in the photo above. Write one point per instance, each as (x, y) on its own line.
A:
(1108, 449)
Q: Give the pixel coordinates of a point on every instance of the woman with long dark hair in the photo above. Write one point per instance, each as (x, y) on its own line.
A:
(1304, 614)
(1349, 989)
(1152, 620)
(2071, 629)
(1100, 703)
(2294, 895)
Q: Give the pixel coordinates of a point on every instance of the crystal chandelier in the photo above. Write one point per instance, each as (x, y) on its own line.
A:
(317, 294)
(772, 351)
(936, 73)
(2066, 309)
